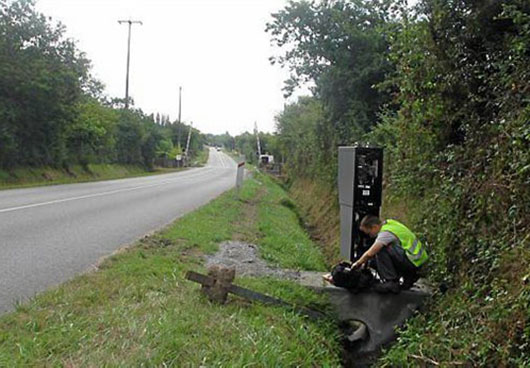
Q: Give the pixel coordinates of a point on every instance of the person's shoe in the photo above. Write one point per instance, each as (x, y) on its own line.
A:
(387, 287)
(409, 281)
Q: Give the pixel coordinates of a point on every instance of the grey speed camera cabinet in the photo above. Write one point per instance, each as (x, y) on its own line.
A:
(360, 193)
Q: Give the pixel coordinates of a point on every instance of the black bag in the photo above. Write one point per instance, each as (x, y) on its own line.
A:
(353, 280)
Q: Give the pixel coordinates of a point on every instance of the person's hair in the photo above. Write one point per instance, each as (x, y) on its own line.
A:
(370, 220)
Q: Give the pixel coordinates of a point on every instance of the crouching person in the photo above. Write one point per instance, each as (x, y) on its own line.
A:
(397, 251)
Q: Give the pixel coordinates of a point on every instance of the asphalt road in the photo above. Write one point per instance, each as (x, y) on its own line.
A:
(50, 234)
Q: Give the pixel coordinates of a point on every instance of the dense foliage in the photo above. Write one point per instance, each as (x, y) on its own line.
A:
(462, 151)
(339, 48)
(52, 112)
(456, 133)
(302, 139)
(246, 144)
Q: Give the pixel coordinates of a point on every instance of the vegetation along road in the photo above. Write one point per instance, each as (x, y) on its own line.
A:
(50, 234)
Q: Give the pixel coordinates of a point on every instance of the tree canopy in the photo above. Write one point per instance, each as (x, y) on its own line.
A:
(53, 112)
(337, 46)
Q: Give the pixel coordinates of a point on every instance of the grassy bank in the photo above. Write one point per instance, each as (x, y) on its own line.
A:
(137, 309)
(319, 208)
(483, 319)
(38, 176)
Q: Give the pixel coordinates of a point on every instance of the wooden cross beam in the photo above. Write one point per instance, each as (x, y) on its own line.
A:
(211, 282)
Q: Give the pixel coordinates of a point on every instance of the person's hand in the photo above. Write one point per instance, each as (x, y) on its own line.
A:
(327, 277)
(355, 265)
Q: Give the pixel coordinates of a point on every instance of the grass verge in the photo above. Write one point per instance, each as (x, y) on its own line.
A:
(319, 207)
(39, 176)
(201, 158)
(137, 309)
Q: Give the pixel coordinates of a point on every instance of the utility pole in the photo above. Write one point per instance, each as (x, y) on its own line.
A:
(188, 143)
(257, 138)
(180, 110)
(130, 22)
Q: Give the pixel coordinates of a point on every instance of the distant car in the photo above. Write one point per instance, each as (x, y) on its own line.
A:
(266, 159)
(218, 148)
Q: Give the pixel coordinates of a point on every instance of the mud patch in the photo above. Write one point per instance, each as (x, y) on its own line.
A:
(245, 258)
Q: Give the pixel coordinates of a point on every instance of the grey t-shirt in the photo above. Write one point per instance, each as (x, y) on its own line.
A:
(387, 238)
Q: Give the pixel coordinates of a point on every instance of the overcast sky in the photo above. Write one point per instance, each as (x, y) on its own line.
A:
(217, 50)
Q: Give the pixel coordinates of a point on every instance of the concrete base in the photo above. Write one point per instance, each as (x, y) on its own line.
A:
(381, 313)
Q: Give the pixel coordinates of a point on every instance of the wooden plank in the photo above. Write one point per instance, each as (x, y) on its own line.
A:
(200, 278)
(265, 299)
(254, 295)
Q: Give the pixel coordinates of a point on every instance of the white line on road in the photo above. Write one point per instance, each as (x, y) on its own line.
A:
(220, 160)
(98, 194)
(226, 163)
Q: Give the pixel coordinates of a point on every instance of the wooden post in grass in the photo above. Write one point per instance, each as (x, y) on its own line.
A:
(222, 279)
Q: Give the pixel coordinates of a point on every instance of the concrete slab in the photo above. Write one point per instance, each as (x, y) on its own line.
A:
(311, 279)
(381, 313)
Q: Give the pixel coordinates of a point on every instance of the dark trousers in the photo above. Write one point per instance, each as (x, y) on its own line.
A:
(392, 263)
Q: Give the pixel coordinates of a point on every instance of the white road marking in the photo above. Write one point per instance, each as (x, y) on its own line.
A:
(97, 194)
(225, 161)
(220, 160)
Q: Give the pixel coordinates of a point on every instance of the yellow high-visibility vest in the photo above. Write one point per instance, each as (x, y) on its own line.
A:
(409, 242)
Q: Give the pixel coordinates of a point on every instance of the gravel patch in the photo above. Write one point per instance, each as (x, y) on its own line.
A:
(245, 258)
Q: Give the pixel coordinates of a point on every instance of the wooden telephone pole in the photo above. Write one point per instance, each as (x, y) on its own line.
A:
(130, 22)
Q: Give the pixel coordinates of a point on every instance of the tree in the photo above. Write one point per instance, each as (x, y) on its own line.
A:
(91, 137)
(338, 45)
(129, 138)
(299, 140)
(42, 77)
(52, 112)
